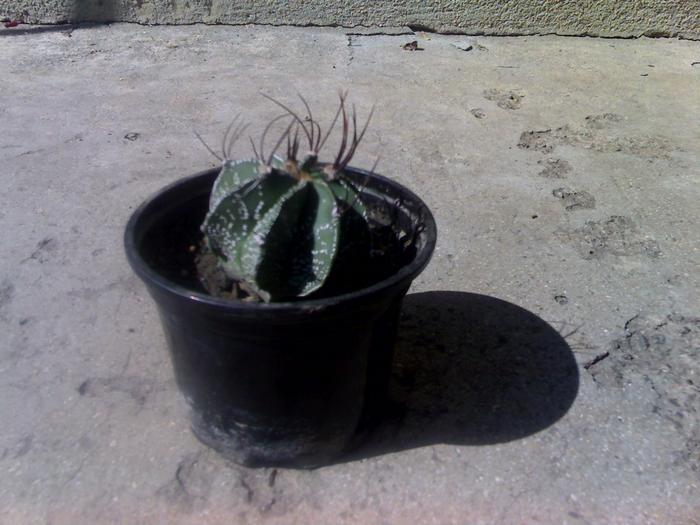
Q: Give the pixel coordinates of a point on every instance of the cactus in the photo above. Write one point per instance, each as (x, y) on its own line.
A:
(281, 226)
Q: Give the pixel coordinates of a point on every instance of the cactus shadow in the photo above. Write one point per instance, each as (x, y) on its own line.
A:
(469, 370)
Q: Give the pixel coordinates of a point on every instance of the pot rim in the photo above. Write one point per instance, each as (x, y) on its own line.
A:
(152, 277)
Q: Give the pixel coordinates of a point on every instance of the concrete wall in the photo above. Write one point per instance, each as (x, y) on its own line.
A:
(622, 18)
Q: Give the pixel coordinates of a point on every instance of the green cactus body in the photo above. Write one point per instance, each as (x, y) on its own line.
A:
(280, 228)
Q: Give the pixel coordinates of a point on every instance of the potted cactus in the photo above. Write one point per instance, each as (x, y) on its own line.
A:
(279, 282)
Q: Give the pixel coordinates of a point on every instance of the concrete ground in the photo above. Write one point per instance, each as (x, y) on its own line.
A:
(563, 174)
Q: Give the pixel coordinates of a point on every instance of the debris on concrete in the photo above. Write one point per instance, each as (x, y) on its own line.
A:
(412, 46)
(464, 45)
(561, 299)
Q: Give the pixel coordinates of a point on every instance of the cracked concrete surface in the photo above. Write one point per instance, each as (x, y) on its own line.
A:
(547, 366)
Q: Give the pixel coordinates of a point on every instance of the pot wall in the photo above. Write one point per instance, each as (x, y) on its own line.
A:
(281, 384)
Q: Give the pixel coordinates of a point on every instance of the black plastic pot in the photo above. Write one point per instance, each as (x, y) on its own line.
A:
(281, 384)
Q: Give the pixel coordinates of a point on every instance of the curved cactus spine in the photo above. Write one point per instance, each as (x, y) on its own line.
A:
(279, 225)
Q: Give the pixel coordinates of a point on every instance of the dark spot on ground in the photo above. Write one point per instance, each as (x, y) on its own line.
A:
(132, 136)
(82, 388)
(561, 299)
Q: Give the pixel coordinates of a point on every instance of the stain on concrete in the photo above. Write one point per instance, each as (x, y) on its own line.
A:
(573, 200)
(137, 388)
(191, 483)
(23, 446)
(663, 353)
(19, 449)
(263, 492)
(541, 141)
(593, 139)
(554, 168)
(617, 236)
(7, 292)
(603, 120)
(202, 477)
(599, 133)
(45, 248)
(505, 99)
(127, 284)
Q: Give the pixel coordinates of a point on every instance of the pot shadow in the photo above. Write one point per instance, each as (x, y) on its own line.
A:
(470, 370)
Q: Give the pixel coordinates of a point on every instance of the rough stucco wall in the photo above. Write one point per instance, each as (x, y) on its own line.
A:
(620, 18)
